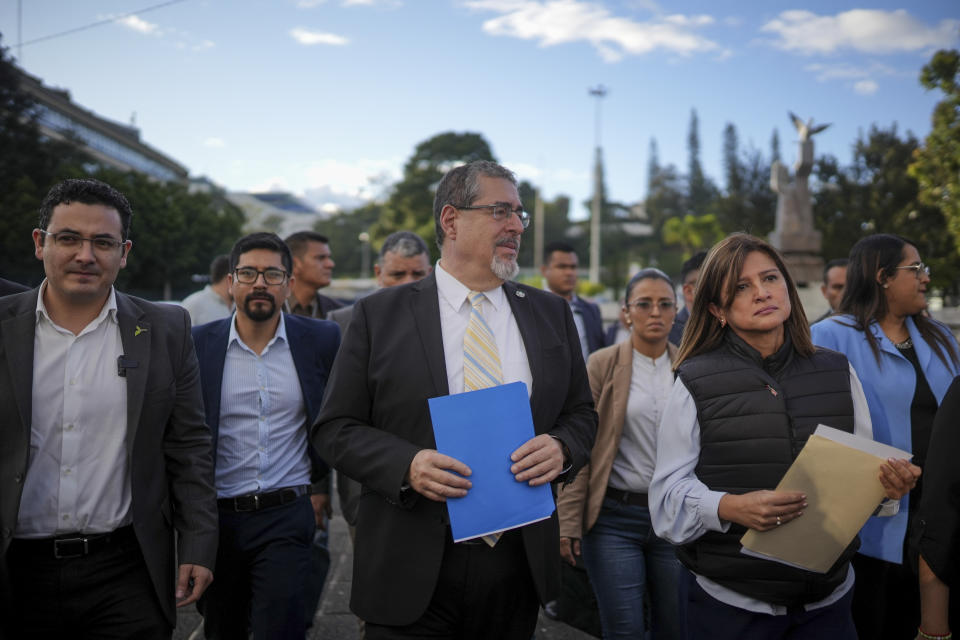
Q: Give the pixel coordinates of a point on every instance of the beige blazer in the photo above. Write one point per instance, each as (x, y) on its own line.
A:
(609, 370)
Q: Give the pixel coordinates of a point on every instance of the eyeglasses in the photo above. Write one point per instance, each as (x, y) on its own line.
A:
(918, 269)
(249, 275)
(646, 306)
(71, 240)
(501, 211)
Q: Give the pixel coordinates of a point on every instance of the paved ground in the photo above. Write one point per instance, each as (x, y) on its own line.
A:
(334, 620)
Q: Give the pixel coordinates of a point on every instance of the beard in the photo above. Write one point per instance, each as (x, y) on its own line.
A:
(259, 313)
(505, 268)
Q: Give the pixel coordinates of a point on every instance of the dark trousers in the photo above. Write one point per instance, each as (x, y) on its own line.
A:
(710, 619)
(481, 593)
(886, 599)
(263, 563)
(107, 594)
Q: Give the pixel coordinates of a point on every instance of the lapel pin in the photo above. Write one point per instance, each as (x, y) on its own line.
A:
(521, 294)
(138, 331)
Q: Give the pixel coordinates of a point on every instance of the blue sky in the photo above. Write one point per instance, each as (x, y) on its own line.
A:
(328, 98)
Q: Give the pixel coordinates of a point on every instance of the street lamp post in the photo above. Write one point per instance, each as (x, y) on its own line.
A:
(597, 92)
(364, 239)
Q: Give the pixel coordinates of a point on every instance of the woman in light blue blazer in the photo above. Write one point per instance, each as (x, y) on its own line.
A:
(906, 362)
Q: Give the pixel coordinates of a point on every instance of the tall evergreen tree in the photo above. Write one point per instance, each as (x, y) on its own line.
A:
(653, 164)
(731, 160)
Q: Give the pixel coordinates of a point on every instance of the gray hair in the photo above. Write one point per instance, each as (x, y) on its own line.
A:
(405, 243)
(461, 185)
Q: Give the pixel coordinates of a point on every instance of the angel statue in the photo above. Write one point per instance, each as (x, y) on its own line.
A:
(794, 222)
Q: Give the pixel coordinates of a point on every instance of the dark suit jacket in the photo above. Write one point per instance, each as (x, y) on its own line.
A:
(8, 286)
(171, 466)
(313, 345)
(375, 419)
(592, 323)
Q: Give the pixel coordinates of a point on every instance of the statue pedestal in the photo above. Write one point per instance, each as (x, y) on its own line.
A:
(802, 241)
(805, 268)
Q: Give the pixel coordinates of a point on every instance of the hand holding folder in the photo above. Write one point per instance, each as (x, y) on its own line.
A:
(838, 472)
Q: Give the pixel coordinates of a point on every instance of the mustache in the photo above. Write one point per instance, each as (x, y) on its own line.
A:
(514, 241)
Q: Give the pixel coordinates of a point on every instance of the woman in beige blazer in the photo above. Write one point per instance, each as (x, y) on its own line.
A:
(604, 511)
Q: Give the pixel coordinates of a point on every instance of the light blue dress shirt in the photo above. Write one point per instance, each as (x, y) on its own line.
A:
(262, 444)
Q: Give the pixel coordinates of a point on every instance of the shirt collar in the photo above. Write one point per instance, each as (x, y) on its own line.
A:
(454, 292)
(109, 310)
(281, 333)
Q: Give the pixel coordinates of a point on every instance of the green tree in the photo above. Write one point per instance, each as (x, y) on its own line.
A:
(410, 203)
(936, 165)
(29, 165)
(175, 233)
(692, 233)
(700, 189)
(344, 229)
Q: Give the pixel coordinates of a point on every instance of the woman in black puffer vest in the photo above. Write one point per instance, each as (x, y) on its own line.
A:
(751, 388)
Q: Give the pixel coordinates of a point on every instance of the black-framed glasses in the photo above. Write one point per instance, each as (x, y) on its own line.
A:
(501, 211)
(71, 240)
(249, 275)
(646, 306)
(917, 269)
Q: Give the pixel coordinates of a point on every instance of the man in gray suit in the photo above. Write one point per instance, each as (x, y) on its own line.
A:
(103, 449)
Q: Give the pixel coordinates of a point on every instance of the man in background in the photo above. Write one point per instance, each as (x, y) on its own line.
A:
(213, 302)
(312, 270)
(559, 272)
(834, 282)
(689, 274)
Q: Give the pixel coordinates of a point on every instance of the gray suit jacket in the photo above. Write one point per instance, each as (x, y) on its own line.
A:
(168, 444)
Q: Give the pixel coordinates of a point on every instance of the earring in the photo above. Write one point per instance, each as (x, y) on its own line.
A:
(885, 285)
(723, 323)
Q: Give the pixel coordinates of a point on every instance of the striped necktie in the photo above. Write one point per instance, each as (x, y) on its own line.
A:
(481, 361)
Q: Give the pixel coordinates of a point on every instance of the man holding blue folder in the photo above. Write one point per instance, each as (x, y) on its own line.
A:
(463, 327)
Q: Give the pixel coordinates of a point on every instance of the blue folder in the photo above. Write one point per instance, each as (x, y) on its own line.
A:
(481, 429)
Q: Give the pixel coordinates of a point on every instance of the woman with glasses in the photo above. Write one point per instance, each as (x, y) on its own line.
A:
(905, 361)
(606, 506)
(750, 389)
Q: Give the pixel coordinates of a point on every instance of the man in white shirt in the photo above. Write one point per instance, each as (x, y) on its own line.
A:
(103, 449)
(263, 374)
(213, 301)
(409, 343)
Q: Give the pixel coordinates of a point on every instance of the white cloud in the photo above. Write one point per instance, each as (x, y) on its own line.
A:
(273, 183)
(349, 184)
(214, 143)
(310, 4)
(203, 46)
(138, 24)
(553, 22)
(865, 30)
(308, 38)
(865, 87)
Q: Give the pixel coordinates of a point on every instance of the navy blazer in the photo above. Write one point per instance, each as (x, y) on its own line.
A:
(313, 345)
(592, 323)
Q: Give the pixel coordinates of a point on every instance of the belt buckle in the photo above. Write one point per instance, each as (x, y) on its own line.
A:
(82, 550)
(256, 502)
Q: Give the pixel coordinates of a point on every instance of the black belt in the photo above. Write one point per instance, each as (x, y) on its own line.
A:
(627, 497)
(257, 501)
(73, 545)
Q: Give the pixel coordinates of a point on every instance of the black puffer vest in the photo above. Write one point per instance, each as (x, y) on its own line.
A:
(755, 415)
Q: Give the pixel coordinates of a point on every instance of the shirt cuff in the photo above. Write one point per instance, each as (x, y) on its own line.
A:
(888, 508)
(709, 511)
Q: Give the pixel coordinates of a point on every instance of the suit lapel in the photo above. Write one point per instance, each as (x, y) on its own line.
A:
(301, 362)
(211, 365)
(19, 330)
(527, 323)
(425, 307)
(621, 379)
(136, 337)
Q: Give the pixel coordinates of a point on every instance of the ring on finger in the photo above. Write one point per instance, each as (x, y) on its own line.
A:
(779, 522)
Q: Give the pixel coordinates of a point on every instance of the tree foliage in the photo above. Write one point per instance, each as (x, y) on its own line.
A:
(410, 203)
(936, 165)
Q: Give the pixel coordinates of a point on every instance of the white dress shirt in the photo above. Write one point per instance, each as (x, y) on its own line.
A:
(262, 440)
(454, 317)
(636, 457)
(682, 508)
(77, 477)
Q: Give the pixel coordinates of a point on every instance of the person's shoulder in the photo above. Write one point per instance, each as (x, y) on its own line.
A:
(156, 311)
(835, 325)
(343, 313)
(535, 295)
(311, 326)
